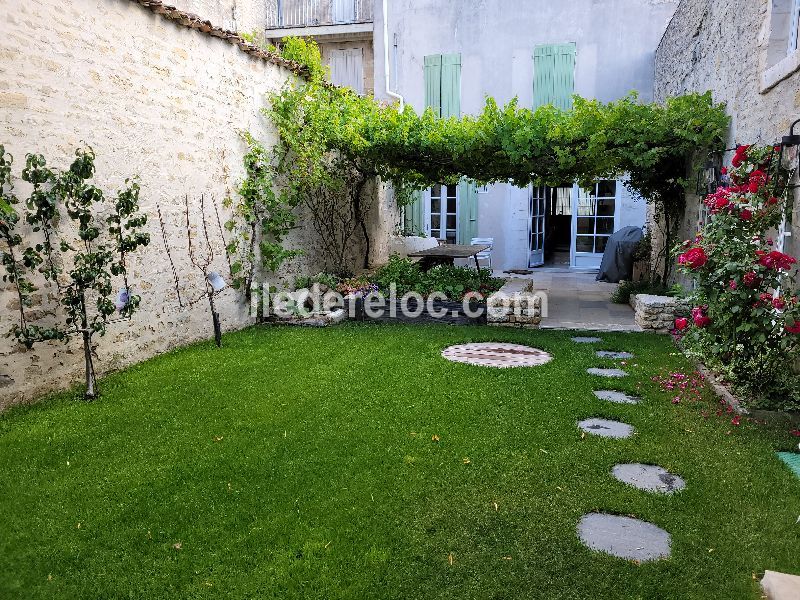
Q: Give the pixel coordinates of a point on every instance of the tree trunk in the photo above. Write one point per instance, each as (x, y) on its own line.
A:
(215, 318)
(91, 379)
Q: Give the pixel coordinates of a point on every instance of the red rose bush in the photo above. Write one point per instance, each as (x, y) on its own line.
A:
(746, 319)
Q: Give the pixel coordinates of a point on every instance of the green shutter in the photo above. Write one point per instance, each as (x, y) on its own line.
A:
(467, 211)
(554, 75)
(451, 85)
(433, 83)
(414, 216)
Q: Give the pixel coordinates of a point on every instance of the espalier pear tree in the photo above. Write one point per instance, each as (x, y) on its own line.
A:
(76, 258)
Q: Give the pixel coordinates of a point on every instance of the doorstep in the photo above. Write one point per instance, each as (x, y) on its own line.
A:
(781, 586)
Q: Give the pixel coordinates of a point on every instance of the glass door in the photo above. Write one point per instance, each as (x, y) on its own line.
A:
(536, 209)
(595, 221)
(443, 213)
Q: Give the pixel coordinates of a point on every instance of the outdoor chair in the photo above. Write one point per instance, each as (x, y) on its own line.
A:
(486, 254)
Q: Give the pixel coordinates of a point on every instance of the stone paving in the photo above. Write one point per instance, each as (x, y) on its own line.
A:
(496, 354)
(613, 355)
(607, 372)
(606, 428)
(616, 397)
(625, 537)
(649, 478)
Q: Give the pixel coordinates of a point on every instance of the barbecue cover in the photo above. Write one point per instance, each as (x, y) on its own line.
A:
(617, 264)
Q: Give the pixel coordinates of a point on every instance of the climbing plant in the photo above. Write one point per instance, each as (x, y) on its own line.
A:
(652, 143)
(79, 268)
(262, 216)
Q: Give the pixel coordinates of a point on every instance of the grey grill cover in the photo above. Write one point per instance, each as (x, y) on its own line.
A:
(617, 262)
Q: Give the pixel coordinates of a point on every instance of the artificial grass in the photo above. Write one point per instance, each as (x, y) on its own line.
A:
(300, 463)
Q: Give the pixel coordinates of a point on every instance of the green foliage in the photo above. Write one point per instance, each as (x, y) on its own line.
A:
(262, 217)
(745, 315)
(626, 289)
(453, 282)
(81, 270)
(653, 143)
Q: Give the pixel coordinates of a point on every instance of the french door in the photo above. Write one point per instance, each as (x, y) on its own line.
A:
(442, 213)
(595, 219)
(536, 209)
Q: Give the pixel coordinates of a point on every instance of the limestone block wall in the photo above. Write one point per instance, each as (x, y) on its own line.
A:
(657, 313)
(158, 100)
(739, 51)
(515, 305)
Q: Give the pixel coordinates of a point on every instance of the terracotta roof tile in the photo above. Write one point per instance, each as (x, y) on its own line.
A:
(193, 21)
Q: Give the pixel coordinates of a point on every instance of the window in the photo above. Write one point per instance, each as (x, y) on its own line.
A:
(794, 34)
(347, 68)
(596, 217)
(444, 213)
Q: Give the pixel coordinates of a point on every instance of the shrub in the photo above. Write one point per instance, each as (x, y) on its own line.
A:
(744, 315)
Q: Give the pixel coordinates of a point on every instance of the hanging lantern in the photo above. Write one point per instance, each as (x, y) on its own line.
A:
(790, 149)
(123, 297)
(709, 177)
(217, 282)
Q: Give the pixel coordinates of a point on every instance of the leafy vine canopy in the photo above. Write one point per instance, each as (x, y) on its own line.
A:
(654, 144)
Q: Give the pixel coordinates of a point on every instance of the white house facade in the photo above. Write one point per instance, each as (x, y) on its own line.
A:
(451, 55)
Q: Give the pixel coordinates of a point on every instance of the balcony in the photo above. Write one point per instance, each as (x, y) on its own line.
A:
(326, 14)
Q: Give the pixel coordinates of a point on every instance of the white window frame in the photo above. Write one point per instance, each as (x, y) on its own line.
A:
(442, 212)
(794, 33)
(591, 260)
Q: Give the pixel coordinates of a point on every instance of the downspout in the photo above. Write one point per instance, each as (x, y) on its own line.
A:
(389, 91)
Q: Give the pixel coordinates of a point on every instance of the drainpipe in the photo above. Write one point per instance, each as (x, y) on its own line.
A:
(389, 91)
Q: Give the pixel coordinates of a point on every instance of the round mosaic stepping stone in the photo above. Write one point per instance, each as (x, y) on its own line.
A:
(607, 372)
(624, 537)
(616, 397)
(496, 354)
(606, 428)
(613, 355)
(586, 340)
(650, 478)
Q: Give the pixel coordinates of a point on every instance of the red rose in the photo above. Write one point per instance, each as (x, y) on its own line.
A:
(772, 200)
(694, 258)
(778, 303)
(740, 156)
(681, 323)
(745, 215)
(724, 170)
(776, 260)
(793, 328)
(751, 280)
(732, 284)
(699, 317)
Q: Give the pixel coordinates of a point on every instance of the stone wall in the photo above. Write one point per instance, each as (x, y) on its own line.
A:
(158, 100)
(657, 313)
(739, 51)
(515, 305)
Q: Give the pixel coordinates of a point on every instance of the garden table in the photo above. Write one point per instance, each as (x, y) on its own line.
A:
(447, 254)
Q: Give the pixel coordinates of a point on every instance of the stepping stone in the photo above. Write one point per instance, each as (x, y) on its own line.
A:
(586, 340)
(607, 429)
(607, 372)
(496, 354)
(624, 537)
(650, 478)
(616, 397)
(613, 355)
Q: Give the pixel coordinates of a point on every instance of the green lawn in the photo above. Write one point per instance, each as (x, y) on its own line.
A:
(299, 463)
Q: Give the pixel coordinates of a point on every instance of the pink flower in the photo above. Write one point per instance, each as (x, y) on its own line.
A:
(732, 284)
(681, 323)
(700, 318)
(778, 303)
(736, 420)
